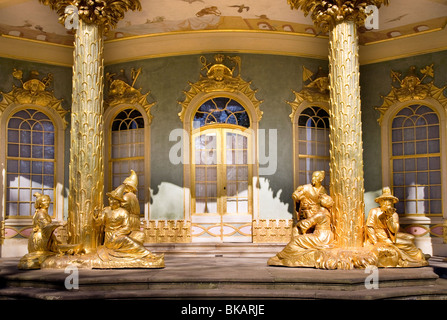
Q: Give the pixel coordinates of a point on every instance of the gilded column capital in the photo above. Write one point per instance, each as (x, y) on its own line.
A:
(327, 13)
(101, 12)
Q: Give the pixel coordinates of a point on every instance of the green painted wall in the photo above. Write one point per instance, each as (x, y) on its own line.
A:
(273, 76)
(61, 87)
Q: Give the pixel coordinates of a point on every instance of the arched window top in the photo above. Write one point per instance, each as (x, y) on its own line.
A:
(128, 119)
(221, 110)
(315, 117)
(415, 115)
(418, 127)
(30, 119)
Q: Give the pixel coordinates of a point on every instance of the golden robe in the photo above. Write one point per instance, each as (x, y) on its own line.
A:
(117, 240)
(384, 233)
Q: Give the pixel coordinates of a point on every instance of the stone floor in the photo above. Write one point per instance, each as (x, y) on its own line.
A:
(216, 278)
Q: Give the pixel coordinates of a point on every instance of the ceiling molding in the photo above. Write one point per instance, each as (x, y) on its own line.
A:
(236, 41)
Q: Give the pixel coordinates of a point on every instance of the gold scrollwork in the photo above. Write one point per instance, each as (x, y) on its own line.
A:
(219, 77)
(33, 91)
(412, 87)
(121, 92)
(315, 90)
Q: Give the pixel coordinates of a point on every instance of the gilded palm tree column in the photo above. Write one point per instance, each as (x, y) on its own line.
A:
(340, 18)
(86, 170)
(91, 19)
(346, 151)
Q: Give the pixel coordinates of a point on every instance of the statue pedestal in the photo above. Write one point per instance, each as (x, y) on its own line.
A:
(94, 261)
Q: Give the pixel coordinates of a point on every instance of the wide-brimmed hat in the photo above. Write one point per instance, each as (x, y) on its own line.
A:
(386, 195)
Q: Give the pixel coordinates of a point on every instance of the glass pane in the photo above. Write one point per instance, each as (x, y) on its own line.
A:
(200, 174)
(231, 173)
(232, 206)
(231, 189)
(12, 166)
(242, 189)
(211, 206)
(242, 206)
(200, 206)
(13, 150)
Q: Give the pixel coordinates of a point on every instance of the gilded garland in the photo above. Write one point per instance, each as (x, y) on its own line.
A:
(327, 13)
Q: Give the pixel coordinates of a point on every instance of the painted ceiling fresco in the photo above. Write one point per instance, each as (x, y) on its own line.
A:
(32, 20)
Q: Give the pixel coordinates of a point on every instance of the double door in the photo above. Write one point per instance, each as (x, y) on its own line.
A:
(222, 186)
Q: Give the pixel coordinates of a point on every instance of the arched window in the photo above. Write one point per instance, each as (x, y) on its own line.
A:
(312, 152)
(127, 150)
(416, 160)
(221, 110)
(30, 161)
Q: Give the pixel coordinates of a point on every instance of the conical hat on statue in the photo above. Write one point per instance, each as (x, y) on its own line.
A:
(132, 180)
(117, 194)
(386, 195)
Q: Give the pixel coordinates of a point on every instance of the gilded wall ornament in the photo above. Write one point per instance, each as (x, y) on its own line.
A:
(215, 77)
(412, 87)
(327, 13)
(121, 91)
(101, 12)
(316, 89)
(33, 91)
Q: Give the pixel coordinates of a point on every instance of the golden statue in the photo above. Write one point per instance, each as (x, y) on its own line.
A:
(393, 248)
(120, 240)
(42, 241)
(122, 244)
(314, 228)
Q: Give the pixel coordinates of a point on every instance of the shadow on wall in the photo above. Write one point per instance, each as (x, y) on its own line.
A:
(271, 206)
(168, 202)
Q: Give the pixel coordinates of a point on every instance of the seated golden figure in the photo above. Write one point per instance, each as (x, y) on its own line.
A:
(314, 228)
(393, 248)
(119, 249)
(42, 241)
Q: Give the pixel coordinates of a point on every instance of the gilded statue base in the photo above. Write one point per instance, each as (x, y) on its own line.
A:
(315, 240)
(381, 256)
(34, 260)
(94, 261)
